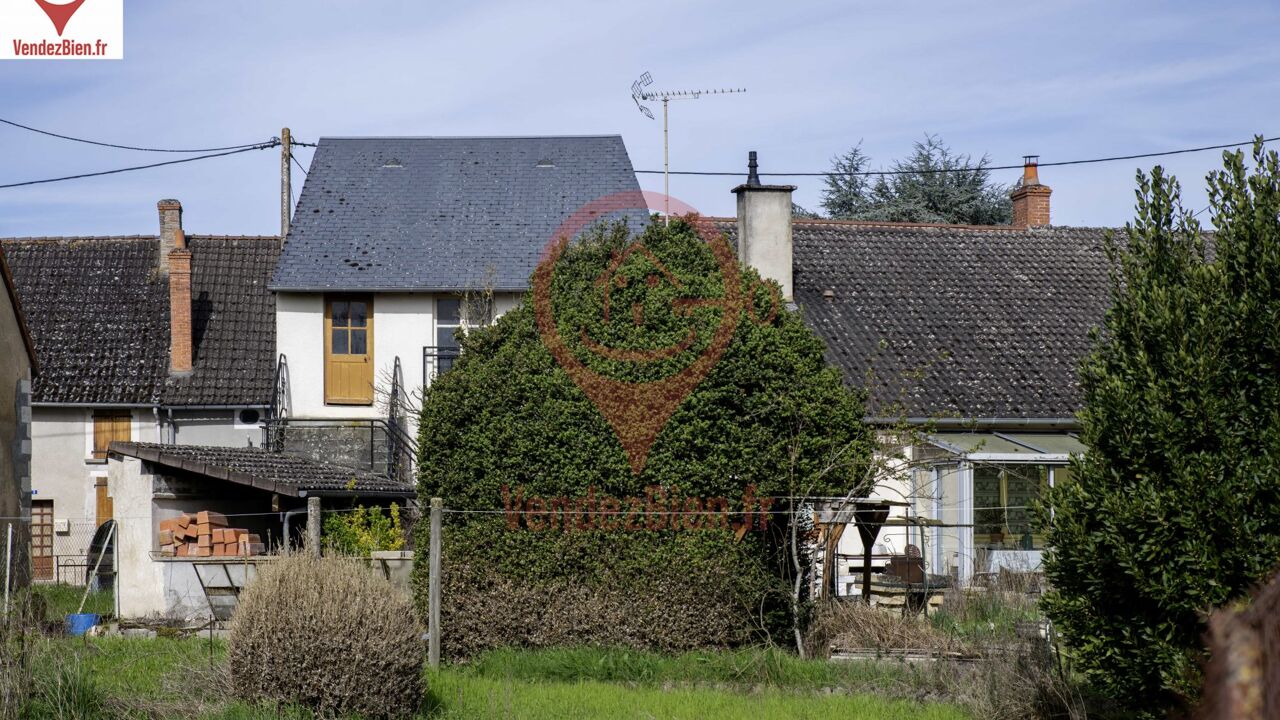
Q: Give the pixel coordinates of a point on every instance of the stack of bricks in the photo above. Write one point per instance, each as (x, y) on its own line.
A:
(205, 534)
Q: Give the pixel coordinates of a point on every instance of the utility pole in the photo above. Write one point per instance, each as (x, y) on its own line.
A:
(313, 526)
(286, 188)
(638, 93)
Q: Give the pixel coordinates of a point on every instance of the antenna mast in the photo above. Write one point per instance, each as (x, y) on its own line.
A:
(639, 93)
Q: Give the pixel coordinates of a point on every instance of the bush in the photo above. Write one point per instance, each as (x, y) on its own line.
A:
(770, 419)
(363, 530)
(1175, 508)
(328, 634)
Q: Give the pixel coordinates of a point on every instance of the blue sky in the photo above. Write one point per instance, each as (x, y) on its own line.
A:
(1064, 80)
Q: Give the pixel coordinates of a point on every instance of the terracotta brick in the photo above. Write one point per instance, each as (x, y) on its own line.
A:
(183, 550)
(204, 541)
(206, 517)
(204, 551)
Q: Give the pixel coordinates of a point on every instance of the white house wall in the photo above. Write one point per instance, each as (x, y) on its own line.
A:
(403, 324)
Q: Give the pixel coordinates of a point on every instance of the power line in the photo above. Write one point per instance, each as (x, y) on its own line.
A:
(127, 147)
(828, 173)
(295, 160)
(261, 146)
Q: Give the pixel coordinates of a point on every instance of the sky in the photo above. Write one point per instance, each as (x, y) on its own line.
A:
(1064, 80)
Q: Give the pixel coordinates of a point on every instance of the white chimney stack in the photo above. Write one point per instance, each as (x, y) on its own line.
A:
(764, 228)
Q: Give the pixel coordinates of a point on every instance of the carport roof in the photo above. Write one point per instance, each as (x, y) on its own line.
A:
(266, 470)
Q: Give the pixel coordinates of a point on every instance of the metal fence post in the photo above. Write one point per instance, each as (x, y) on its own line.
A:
(433, 596)
(8, 563)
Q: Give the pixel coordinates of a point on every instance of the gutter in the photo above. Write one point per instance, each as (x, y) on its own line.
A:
(1044, 423)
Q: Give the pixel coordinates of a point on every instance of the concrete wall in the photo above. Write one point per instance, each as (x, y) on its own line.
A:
(403, 324)
(15, 437)
(220, 427)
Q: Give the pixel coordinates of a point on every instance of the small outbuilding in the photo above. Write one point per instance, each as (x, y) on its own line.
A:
(262, 492)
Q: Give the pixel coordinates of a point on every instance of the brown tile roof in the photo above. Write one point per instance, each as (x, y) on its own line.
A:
(952, 320)
(273, 471)
(98, 311)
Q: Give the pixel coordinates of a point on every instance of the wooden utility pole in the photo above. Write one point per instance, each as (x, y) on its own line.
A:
(286, 186)
(433, 586)
(313, 526)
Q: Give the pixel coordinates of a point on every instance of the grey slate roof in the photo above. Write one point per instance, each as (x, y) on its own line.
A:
(953, 321)
(255, 467)
(98, 311)
(456, 214)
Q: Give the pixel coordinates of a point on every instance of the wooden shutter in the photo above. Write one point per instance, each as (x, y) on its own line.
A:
(42, 539)
(348, 350)
(109, 426)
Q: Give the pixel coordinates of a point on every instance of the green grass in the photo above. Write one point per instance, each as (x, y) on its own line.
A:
(748, 668)
(458, 695)
(61, 600)
(112, 677)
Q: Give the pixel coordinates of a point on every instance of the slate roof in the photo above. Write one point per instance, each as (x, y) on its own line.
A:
(276, 472)
(953, 321)
(442, 213)
(98, 311)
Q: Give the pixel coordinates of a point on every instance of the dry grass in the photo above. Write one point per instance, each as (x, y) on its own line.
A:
(328, 634)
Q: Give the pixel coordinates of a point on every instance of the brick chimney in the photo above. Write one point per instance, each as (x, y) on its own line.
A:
(170, 231)
(764, 227)
(175, 260)
(1030, 198)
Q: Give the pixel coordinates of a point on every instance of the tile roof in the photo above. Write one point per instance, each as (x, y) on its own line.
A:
(233, 318)
(276, 472)
(953, 321)
(442, 213)
(98, 310)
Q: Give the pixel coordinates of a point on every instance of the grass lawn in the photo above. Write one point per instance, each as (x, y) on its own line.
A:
(458, 695)
(61, 600)
(125, 677)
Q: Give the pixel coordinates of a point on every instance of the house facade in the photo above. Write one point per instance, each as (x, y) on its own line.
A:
(165, 338)
(966, 339)
(17, 362)
(398, 242)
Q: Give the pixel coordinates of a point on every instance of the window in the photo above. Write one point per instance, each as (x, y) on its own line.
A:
(348, 346)
(1002, 499)
(109, 426)
(439, 358)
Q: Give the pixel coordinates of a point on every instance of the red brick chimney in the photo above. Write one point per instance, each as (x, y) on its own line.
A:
(1030, 198)
(176, 260)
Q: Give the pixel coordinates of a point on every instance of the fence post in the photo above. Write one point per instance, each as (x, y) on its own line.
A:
(313, 526)
(433, 594)
(8, 563)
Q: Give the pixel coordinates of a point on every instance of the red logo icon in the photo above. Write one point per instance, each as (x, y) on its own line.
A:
(637, 411)
(60, 14)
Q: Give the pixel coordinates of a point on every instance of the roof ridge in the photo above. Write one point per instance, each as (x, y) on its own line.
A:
(77, 238)
(194, 236)
(468, 137)
(940, 226)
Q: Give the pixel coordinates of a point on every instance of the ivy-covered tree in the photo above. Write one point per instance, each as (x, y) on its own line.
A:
(1175, 507)
(932, 185)
(770, 420)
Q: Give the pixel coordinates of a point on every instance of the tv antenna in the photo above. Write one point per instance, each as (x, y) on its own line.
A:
(640, 95)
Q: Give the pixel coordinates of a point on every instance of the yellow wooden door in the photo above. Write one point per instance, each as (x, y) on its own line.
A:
(348, 350)
(105, 505)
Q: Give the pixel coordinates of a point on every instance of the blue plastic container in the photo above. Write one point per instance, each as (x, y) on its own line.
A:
(80, 623)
